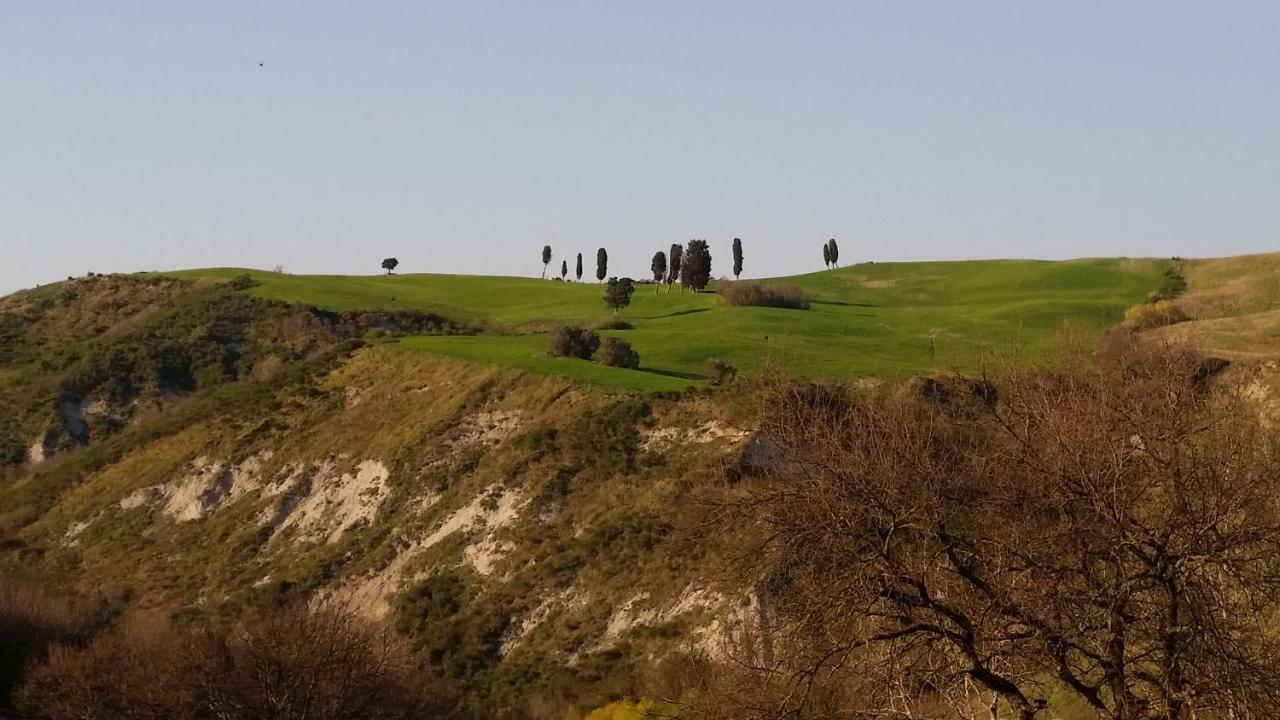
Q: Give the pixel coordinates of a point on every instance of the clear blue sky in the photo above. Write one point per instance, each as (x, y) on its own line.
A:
(463, 136)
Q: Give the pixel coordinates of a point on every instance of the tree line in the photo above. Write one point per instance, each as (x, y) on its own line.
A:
(667, 268)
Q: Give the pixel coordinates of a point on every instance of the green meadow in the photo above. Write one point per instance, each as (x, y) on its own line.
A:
(887, 320)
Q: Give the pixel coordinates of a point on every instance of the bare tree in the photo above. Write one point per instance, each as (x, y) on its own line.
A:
(1111, 533)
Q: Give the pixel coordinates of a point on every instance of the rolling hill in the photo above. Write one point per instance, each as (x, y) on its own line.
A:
(887, 320)
(178, 443)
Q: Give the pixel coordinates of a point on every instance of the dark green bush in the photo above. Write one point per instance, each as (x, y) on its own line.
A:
(616, 352)
(575, 342)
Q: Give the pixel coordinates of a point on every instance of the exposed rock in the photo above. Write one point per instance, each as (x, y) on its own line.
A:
(322, 505)
(664, 438)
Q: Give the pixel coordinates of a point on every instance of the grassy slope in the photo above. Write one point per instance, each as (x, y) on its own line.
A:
(866, 320)
(1234, 306)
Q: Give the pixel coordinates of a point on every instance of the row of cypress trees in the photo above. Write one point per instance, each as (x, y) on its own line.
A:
(690, 265)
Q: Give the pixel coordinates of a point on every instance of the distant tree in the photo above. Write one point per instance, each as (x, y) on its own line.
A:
(659, 268)
(579, 270)
(835, 252)
(695, 266)
(675, 257)
(602, 264)
(617, 294)
(546, 260)
(737, 257)
(564, 269)
(826, 254)
(390, 264)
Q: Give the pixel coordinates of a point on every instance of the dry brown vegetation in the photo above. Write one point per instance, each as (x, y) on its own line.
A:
(1109, 535)
(778, 295)
(1151, 315)
(32, 621)
(289, 663)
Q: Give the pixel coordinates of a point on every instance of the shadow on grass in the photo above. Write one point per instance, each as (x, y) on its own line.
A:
(678, 313)
(842, 303)
(673, 373)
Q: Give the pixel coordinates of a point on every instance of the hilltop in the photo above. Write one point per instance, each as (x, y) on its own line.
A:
(887, 320)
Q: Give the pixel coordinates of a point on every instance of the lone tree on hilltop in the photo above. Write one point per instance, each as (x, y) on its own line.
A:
(737, 257)
(546, 260)
(826, 255)
(835, 252)
(390, 264)
(617, 293)
(695, 266)
(564, 269)
(579, 271)
(673, 266)
(602, 264)
(659, 268)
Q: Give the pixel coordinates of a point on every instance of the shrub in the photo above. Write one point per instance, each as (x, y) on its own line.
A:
(288, 663)
(1153, 315)
(719, 372)
(576, 342)
(616, 352)
(31, 622)
(763, 294)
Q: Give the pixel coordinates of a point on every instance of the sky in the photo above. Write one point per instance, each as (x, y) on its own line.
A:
(461, 137)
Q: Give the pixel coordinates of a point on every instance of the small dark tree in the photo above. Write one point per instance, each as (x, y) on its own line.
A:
(695, 266)
(737, 257)
(390, 264)
(564, 269)
(616, 352)
(835, 252)
(617, 294)
(659, 268)
(675, 258)
(546, 259)
(602, 264)
(579, 270)
(826, 255)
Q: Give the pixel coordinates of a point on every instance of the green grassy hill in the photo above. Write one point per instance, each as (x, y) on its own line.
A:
(886, 320)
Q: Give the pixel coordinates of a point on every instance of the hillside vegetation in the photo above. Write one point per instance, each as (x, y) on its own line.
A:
(201, 444)
(887, 320)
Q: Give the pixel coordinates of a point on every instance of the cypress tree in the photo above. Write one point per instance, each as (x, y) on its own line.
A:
(737, 257)
(579, 271)
(673, 265)
(546, 260)
(826, 255)
(602, 264)
(564, 269)
(835, 252)
(659, 268)
(695, 266)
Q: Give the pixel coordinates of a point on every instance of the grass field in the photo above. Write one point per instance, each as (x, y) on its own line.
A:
(885, 320)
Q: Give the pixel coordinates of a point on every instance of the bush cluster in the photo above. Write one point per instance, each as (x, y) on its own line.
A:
(286, 663)
(1153, 315)
(576, 342)
(774, 295)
